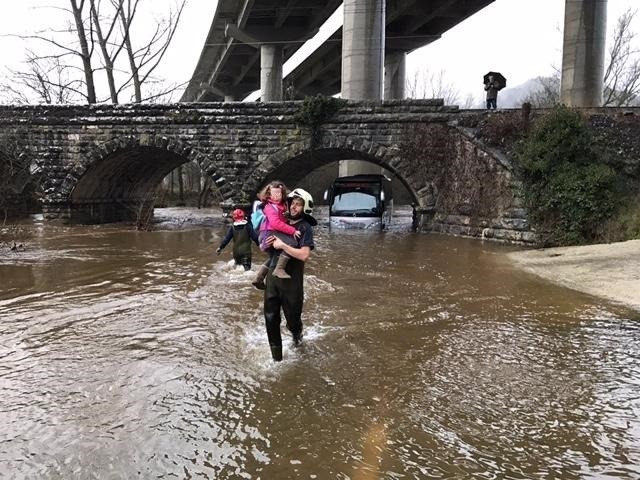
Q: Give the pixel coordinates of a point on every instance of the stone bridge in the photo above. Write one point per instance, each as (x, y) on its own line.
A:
(94, 164)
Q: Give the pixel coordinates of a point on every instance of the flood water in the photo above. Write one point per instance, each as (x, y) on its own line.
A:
(128, 354)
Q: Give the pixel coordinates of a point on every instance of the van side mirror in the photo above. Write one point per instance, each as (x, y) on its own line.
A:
(382, 195)
(326, 195)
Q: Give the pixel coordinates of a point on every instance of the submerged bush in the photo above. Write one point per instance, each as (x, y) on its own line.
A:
(569, 189)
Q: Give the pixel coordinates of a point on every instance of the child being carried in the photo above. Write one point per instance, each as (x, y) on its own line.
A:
(275, 224)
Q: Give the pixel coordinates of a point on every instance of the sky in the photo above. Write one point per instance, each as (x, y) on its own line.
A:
(520, 38)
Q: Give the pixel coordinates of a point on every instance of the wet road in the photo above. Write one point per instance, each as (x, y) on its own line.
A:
(129, 354)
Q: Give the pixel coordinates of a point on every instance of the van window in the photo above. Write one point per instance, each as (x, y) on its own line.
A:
(355, 199)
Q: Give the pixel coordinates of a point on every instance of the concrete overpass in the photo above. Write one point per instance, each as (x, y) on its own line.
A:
(249, 41)
(253, 37)
(410, 24)
(248, 38)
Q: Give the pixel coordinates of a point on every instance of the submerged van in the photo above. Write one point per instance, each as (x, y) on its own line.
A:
(360, 201)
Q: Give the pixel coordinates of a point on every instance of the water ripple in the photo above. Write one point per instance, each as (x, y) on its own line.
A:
(142, 354)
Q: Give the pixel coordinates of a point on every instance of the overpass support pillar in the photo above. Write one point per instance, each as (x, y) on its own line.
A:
(362, 63)
(395, 66)
(583, 52)
(363, 49)
(271, 73)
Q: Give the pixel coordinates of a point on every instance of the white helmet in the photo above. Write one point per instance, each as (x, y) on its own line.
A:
(306, 198)
(308, 204)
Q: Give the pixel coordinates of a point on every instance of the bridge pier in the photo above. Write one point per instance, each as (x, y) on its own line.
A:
(363, 34)
(271, 73)
(583, 52)
(363, 49)
(395, 68)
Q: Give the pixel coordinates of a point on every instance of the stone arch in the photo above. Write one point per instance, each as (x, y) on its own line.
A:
(297, 160)
(116, 179)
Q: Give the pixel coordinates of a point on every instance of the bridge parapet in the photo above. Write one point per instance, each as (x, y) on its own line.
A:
(103, 163)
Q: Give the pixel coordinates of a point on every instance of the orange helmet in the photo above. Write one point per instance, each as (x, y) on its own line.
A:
(238, 215)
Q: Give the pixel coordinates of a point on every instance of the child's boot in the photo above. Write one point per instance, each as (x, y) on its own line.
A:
(258, 282)
(279, 271)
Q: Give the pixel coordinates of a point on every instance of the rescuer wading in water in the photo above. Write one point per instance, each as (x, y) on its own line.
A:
(242, 232)
(287, 294)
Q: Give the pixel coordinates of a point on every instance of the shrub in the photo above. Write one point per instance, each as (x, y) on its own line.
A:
(569, 189)
(625, 225)
(315, 111)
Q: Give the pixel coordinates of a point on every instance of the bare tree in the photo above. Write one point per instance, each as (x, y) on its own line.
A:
(622, 75)
(46, 79)
(85, 52)
(547, 94)
(109, 56)
(426, 84)
(63, 47)
(144, 60)
(204, 193)
(470, 101)
(14, 176)
(109, 25)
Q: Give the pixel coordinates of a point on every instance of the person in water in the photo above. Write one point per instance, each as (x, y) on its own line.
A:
(242, 233)
(275, 224)
(288, 295)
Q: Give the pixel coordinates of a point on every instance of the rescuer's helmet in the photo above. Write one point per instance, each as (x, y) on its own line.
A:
(306, 198)
(308, 203)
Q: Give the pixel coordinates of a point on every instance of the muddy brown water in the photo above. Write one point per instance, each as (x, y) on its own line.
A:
(129, 354)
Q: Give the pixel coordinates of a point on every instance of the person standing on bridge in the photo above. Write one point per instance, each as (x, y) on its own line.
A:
(491, 88)
(288, 294)
(242, 233)
(493, 83)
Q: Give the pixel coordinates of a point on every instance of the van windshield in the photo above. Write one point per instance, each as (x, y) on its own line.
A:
(359, 199)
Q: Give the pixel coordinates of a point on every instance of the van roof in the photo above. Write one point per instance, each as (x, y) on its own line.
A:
(361, 178)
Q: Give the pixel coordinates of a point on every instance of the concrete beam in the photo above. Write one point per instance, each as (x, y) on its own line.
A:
(268, 34)
(583, 53)
(212, 89)
(232, 31)
(246, 68)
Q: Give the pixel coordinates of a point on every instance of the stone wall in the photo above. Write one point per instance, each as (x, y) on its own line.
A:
(102, 163)
(471, 190)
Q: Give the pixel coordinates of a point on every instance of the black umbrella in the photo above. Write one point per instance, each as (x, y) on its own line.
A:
(498, 80)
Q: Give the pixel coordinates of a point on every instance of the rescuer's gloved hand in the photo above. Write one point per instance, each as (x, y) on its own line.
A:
(218, 250)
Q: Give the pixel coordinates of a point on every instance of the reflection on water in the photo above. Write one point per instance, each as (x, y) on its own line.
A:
(142, 354)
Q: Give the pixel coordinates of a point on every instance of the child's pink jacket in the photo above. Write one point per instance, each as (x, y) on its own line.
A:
(276, 219)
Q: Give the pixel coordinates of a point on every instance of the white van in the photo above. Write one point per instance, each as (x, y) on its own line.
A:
(360, 202)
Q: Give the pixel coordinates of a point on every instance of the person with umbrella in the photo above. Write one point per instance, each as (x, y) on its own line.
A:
(493, 82)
